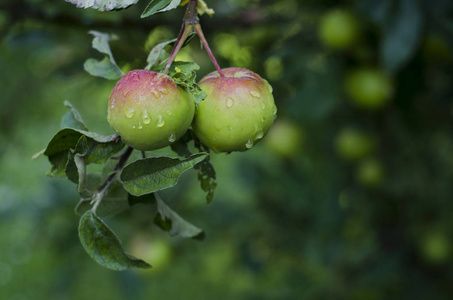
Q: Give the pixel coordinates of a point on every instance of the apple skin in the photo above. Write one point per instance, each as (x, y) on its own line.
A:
(237, 113)
(339, 29)
(149, 110)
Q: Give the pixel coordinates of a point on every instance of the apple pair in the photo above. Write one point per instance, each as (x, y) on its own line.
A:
(150, 111)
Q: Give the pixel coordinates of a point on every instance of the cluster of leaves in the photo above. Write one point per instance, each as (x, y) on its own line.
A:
(120, 186)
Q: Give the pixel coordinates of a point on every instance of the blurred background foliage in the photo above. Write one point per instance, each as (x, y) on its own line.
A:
(348, 197)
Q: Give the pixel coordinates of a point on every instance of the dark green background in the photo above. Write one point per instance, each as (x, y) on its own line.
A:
(278, 228)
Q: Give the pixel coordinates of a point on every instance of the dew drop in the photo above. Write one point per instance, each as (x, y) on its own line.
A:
(129, 113)
(274, 110)
(263, 105)
(270, 88)
(255, 94)
(229, 102)
(259, 134)
(169, 112)
(164, 91)
(160, 121)
(172, 138)
(249, 144)
(146, 118)
(133, 126)
(230, 128)
(140, 126)
(155, 93)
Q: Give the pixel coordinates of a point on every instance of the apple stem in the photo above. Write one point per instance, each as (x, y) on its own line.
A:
(191, 22)
(185, 30)
(208, 49)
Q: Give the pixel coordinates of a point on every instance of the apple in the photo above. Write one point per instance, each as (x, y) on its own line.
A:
(369, 88)
(353, 144)
(238, 111)
(285, 138)
(339, 29)
(149, 110)
(370, 173)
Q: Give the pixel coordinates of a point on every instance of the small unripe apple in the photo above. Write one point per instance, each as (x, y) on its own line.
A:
(238, 111)
(369, 88)
(353, 144)
(149, 110)
(370, 173)
(339, 29)
(285, 138)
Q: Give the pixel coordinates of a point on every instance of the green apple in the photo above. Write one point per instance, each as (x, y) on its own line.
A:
(285, 138)
(238, 111)
(149, 110)
(353, 144)
(369, 88)
(370, 173)
(339, 29)
(436, 246)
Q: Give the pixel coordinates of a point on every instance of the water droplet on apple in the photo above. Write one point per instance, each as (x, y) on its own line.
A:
(255, 94)
(259, 134)
(140, 126)
(133, 126)
(164, 91)
(229, 102)
(160, 121)
(249, 144)
(172, 138)
(169, 112)
(129, 112)
(263, 105)
(230, 128)
(146, 118)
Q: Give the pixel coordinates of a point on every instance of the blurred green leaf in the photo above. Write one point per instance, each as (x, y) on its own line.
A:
(170, 221)
(401, 34)
(149, 175)
(159, 6)
(101, 243)
(103, 5)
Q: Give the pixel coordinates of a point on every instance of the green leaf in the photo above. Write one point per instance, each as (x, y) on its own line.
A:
(170, 221)
(158, 55)
(184, 74)
(114, 201)
(106, 68)
(103, 5)
(206, 171)
(101, 243)
(207, 178)
(149, 175)
(158, 6)
(72, 119)
(66, 139)
(102, 68)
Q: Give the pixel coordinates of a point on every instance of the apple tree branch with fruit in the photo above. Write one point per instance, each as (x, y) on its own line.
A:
(161, 105)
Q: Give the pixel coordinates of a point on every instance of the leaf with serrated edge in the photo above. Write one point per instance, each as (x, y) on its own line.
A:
(150, 175)
(103, 5)
(101, 243)
(170, 221)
